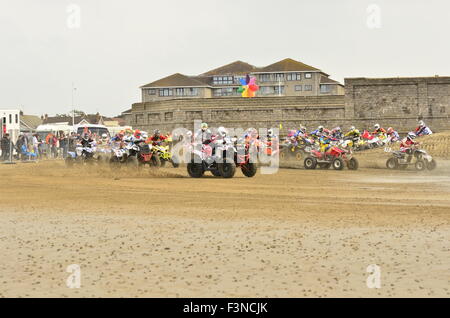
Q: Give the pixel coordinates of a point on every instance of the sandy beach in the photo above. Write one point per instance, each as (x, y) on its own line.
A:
(297, 233)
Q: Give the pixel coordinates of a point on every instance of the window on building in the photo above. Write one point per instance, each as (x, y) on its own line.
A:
(218, 92)
(266, 90)
(191, 91)
(179, 91)
(10, 118)
(152, 91)
(298, 88)
(17, 118)
(294, 76)
(308, 75)
(265, 77)
(164, 92)
(308, 87)
(279, 77)
(223, 80)
(279, 90)
(325, 88)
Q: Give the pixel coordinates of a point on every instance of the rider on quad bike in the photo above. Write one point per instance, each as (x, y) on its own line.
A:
(336, 133)
(157, 138)
(319, 132)
(393, 135)
(379, 130)
(423, 130)
(407, 144)
(203, 135)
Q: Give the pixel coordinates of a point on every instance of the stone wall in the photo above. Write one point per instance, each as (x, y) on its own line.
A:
(239, 112)
(399, 102)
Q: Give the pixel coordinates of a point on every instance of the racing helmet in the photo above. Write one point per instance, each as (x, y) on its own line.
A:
(377, 126)
(204, 126)
(270, 133)
(411, 136)
(156, 132)
(390, 130)
(137, 133)
(320, 128)
(421, 123)
(352, 128)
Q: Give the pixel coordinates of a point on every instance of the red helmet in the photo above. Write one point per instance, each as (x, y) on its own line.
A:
(137, 133)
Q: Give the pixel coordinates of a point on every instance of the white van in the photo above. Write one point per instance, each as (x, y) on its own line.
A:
(98, 130)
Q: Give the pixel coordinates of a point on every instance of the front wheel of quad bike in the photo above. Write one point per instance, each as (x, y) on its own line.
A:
(299, 155)
(156, 162)
(392, 164)
(249, 169)
(310, 163)
(338, 164)
(431, 165)
(227, 169)
(195, 170)
(353, 164)
(324, 166)
(420, 165)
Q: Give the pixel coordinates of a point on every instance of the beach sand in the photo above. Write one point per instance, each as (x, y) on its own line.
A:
(296, 233)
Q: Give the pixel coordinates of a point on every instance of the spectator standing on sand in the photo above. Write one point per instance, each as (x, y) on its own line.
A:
(63, 144)
(6, 146)
(36, 145)
(72, 142)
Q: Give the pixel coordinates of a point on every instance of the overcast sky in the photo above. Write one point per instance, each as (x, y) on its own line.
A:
(114, 46)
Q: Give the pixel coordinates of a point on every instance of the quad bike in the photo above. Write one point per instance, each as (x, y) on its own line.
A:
(299, 150)
(82, 155)
(165, 155)
(212, 157)
(401, 160)
(335, 157)
(136, 154)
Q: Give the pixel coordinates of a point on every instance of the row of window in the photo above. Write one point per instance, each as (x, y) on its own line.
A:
(166, 92)
(11, 119)
(233, 91)
(282, 77)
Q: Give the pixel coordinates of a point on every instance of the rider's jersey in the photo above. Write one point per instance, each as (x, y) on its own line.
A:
(407, 144)
(394, 136)
(156, 140)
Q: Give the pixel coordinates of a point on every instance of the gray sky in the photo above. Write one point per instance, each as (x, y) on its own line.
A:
(120, 45)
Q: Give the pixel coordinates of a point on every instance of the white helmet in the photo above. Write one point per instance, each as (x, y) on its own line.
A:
(411, 135)
(377, 126)
(352, 128)
(421, 123)
(222, 132)
(104, 136)
(270, 133)
(320, 128)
